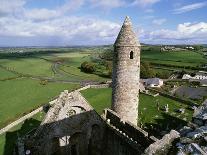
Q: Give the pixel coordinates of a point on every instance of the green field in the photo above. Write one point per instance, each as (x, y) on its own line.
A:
(8, 139)
(20, 96)
(31, 66)
(181, 58)
(33, 88)
(30, 80)
(6, 74)
(149, 116)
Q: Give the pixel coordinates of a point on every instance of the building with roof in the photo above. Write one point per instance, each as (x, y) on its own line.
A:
(154, 82)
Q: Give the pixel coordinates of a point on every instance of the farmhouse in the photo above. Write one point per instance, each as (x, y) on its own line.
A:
(201, 75)
(187, 77)
(154, 82)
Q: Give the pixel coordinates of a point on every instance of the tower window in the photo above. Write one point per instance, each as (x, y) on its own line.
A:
(131, 55)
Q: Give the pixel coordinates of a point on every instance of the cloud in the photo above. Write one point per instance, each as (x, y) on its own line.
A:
(8, 7)
(159, 21)
(71, 5)
(68, 29)
(144, 3)
(107, 4)
(185, 33)
(41, 14)
(188, 8)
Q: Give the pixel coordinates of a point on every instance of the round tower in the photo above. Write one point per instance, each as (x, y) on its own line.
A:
(126, 70)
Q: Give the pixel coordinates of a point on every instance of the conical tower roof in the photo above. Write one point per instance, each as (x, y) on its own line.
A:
(126, 35)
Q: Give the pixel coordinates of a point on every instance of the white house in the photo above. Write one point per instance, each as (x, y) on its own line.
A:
(186, 77)
(201, 75)
(154, 82)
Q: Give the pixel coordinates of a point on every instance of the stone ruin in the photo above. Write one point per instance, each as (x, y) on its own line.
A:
(193, 138)
(73, 127)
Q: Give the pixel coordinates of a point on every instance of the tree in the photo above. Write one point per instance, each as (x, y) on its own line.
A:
(146, 71)
(88, 67)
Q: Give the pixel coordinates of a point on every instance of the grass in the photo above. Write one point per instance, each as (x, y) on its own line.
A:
(4, 74)
(23, 95)
(19, 96)
(71, 69)
(8, 139)
(148, 114)
(31, 66)
(98, 98)
(181, 58)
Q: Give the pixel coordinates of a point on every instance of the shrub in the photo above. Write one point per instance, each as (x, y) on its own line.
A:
(43, 82)
(88, 67)
(146, 71)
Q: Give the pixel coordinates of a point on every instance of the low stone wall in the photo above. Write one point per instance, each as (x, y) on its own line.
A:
(147, 93)
(100, 86)
(95, 86)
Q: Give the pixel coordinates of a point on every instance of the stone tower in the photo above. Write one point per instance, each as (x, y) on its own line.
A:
(126, 70)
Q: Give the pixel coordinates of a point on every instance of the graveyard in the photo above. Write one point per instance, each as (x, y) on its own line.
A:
(151, 118)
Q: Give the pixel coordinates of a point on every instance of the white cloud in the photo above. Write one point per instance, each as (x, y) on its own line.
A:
(45, 14)
(188, 8)
(159, 21)
(7, 7)
(67, 28)
(71, 5)
(185, 33)
(144, 3)
(41, 14)
(107, 4)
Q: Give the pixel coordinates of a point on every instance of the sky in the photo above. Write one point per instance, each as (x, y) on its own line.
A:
(97, 22)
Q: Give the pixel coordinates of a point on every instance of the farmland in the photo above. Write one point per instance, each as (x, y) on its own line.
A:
(35, 77)
(177, 58)
(29, 81)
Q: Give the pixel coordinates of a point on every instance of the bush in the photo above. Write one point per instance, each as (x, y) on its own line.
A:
(88, 67)
(146, 71)
(163, 74)
(43, 82)
(107, 55)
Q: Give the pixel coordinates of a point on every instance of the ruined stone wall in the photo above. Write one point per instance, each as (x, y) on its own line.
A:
(124, 137)
(125, 87)
(162, 146)
(118, 144)
(71, 125)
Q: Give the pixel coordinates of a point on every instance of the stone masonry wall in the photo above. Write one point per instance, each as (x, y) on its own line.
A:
(125, 87)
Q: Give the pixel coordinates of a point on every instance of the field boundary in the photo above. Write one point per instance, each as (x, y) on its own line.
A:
(11, 125)
(190, 103)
